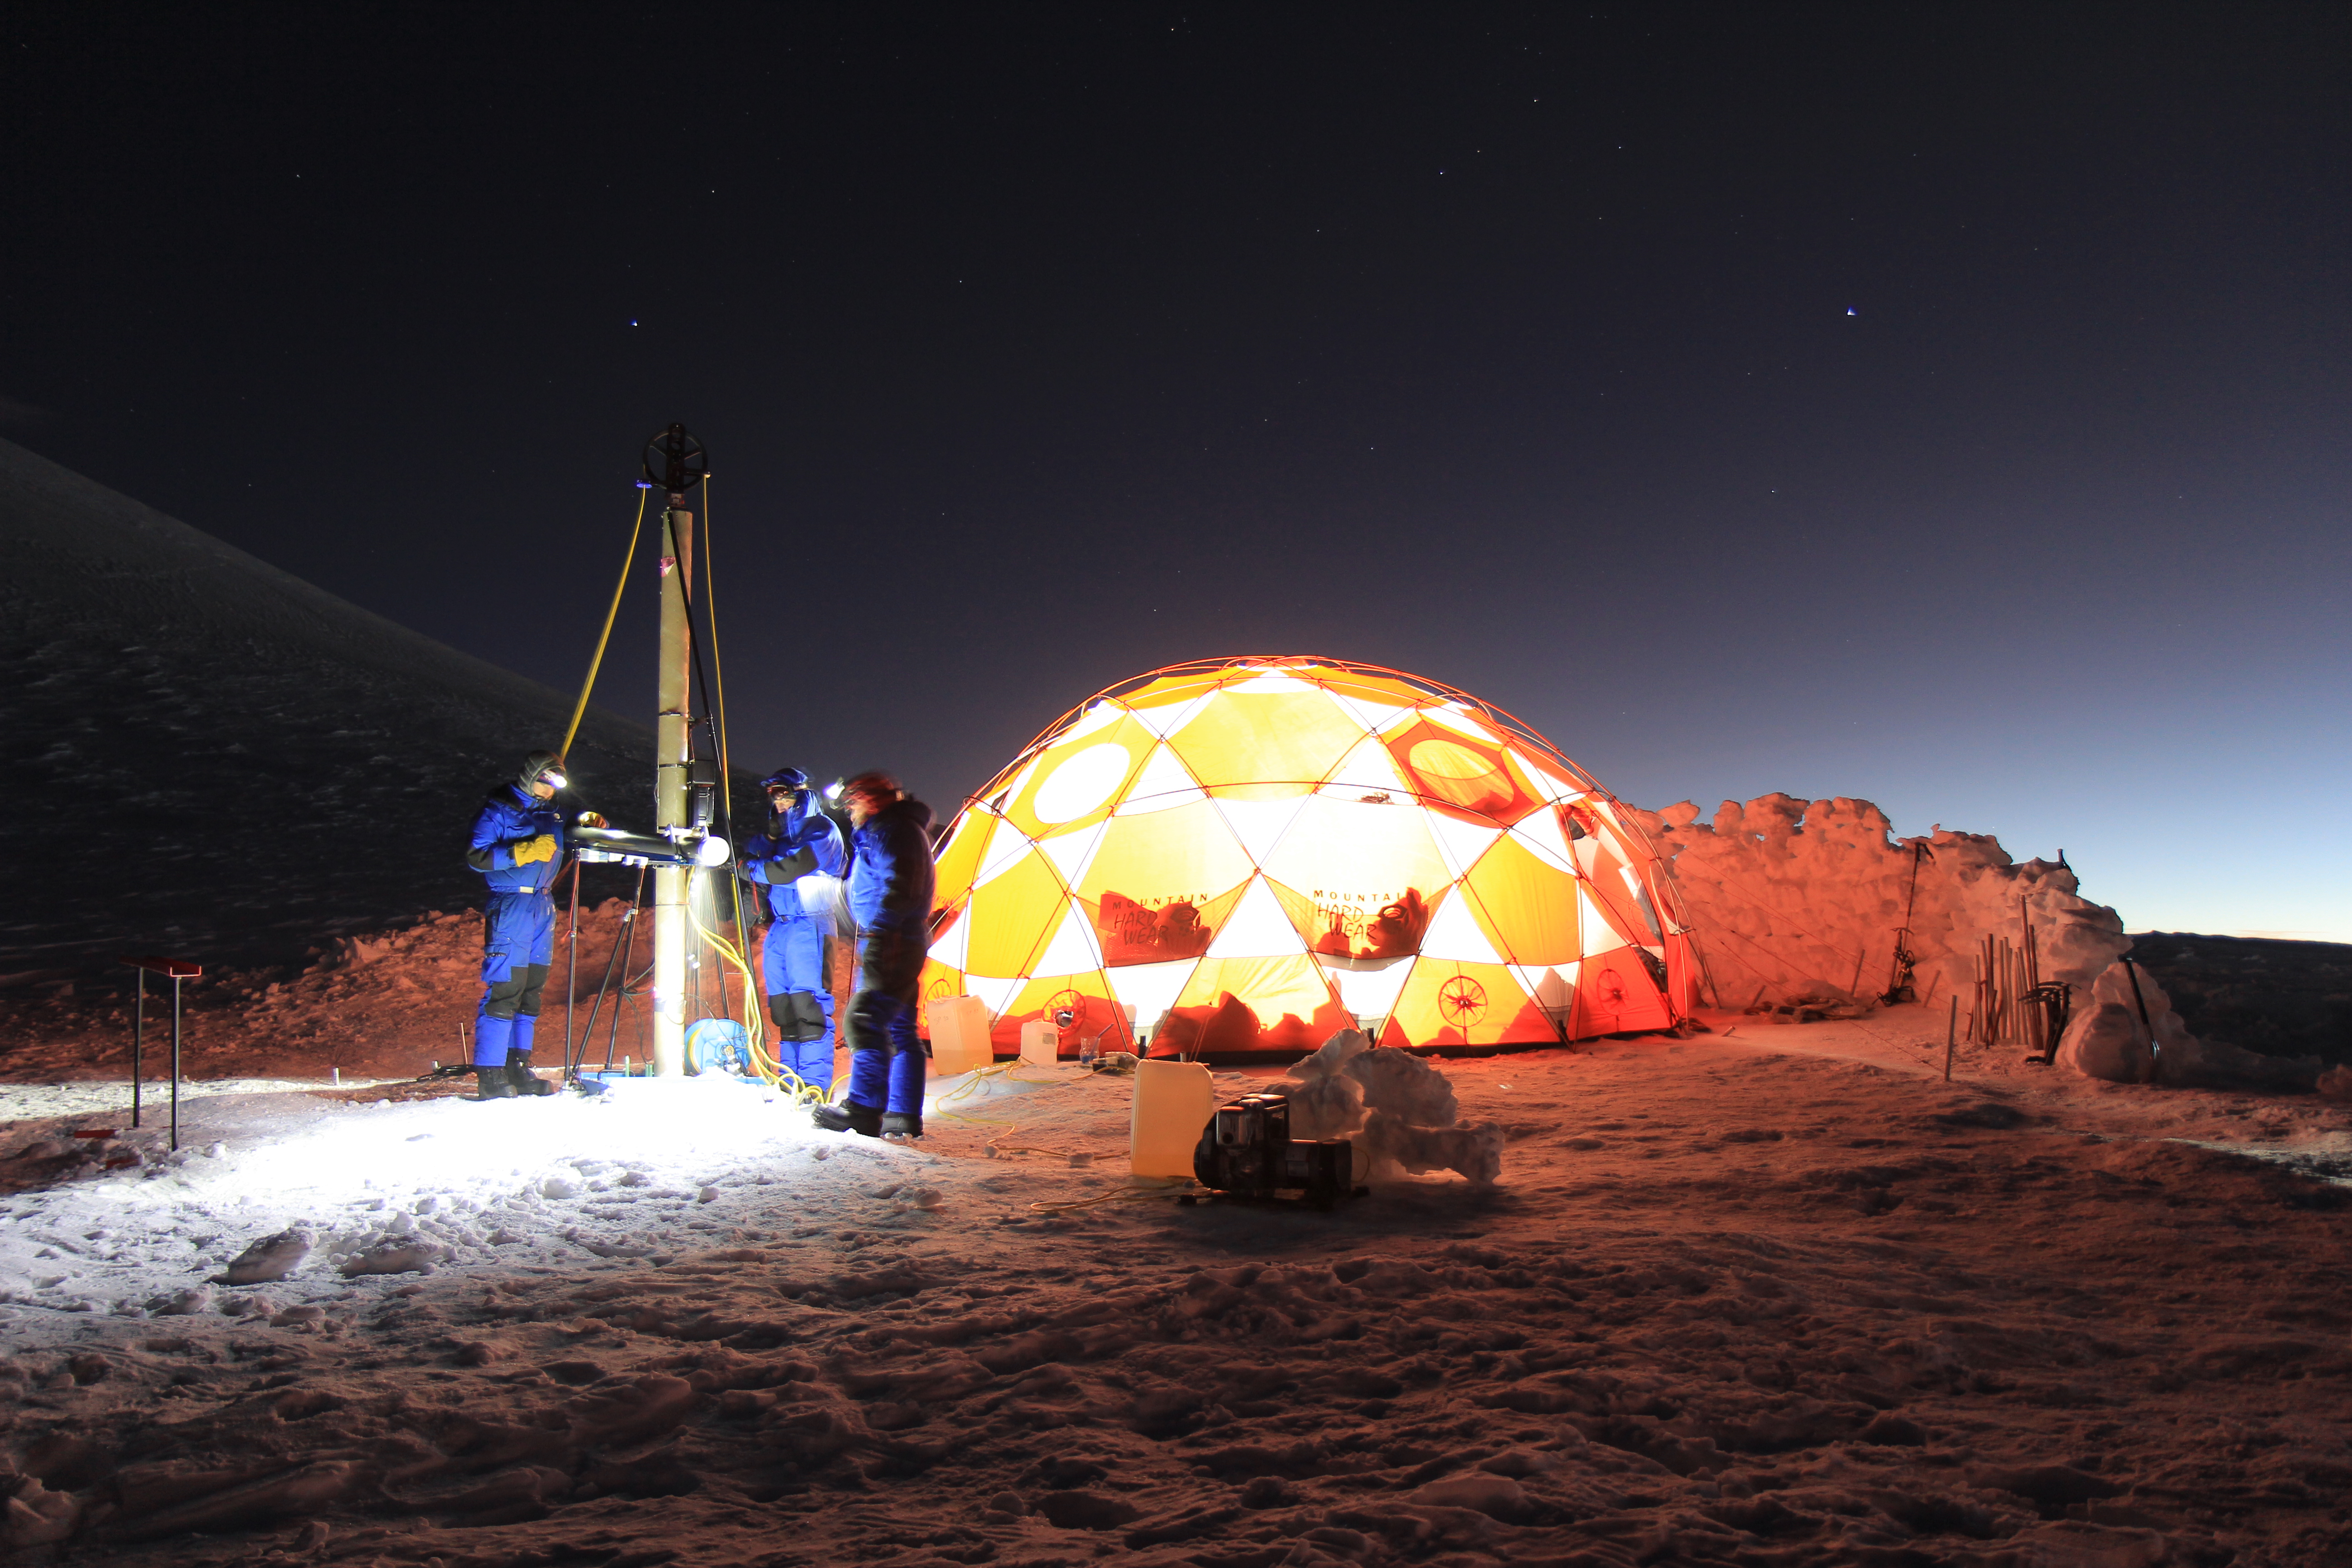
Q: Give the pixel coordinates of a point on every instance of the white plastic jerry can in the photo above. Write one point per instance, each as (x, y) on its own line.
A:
(959, 1034)
(1041, 1043)
(1173, 1102)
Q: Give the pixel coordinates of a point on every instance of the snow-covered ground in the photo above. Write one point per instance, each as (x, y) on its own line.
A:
(1773, 1295)
(1776, 1295)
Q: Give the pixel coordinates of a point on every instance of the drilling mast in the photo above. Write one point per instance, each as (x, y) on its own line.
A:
(675, 463)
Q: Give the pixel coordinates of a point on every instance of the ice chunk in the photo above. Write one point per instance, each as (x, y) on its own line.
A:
(182, 1303)
(1498, 1497)
(408, 1258)
(1475, 1151)
(271, 1257)
(2107, 1042)
(1405, 1087)
(1326, 1099)
(1399, 1109)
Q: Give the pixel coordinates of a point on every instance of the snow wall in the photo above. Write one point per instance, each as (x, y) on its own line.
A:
(1796, 898)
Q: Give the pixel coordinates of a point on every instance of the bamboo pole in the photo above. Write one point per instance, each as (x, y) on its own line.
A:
(1981, 1017)
(1999, 1000)
(1976, 993)
(2006, 988)
(1979, 991)
(1952, 1026)
(2011, 1009)
(1993, 990)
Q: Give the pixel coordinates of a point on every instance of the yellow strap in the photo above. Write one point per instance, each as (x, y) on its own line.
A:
(755, 1028)
(606, 636)
(752, 1018)
(753, 1022)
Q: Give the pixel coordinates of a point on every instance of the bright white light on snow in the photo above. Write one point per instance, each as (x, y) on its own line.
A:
(683, 1131)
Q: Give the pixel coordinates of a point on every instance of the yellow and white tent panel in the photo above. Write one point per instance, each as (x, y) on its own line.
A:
(1246, 855)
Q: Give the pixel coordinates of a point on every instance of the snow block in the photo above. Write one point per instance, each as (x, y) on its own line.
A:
(271, 1257)
(2107, 1042)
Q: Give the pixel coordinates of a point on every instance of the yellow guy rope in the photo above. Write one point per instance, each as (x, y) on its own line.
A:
(754, 1025)
(768, 1067)
(606, 636)
(1116, 1195)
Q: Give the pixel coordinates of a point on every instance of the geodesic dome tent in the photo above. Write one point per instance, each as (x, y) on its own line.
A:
(1248, 854)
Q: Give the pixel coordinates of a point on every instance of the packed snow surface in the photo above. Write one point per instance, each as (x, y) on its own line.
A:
(1774, 1295)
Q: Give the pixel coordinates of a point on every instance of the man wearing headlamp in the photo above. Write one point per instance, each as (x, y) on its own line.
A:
(796, 863)
(518, 846)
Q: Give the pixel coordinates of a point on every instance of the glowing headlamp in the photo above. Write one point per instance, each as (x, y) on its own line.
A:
(553, 778)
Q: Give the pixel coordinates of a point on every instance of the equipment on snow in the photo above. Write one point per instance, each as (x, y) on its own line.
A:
(1898, 981)
(718, 1045)
(611, 846)
(1247, 1151)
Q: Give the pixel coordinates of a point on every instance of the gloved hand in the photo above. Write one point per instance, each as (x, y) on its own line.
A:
(532, 850)
(594, 819)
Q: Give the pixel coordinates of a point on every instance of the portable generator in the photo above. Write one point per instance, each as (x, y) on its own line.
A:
(1246, 1152)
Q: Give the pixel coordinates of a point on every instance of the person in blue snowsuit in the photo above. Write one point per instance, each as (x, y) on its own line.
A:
(890, 885)
(792, 864)
(518, 846)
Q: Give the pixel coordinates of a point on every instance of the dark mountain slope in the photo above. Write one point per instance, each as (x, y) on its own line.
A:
(2281, 998)
(206, 755)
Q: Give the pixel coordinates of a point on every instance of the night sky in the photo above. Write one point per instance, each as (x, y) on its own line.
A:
(1941, 405)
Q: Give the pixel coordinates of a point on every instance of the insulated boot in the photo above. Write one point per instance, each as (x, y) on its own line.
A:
(850, 1117)
(904, 1123)
(492, 1083)
(525, 1081)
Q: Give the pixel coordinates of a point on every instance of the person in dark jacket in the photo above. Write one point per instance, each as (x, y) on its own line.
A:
(890, 885)
(795, 866)
(518, 846)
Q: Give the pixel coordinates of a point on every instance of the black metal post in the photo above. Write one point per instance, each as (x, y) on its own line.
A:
(572, 965)
(175, 1064)
(177, 970)
(2155, 1051)
(138, 1043)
